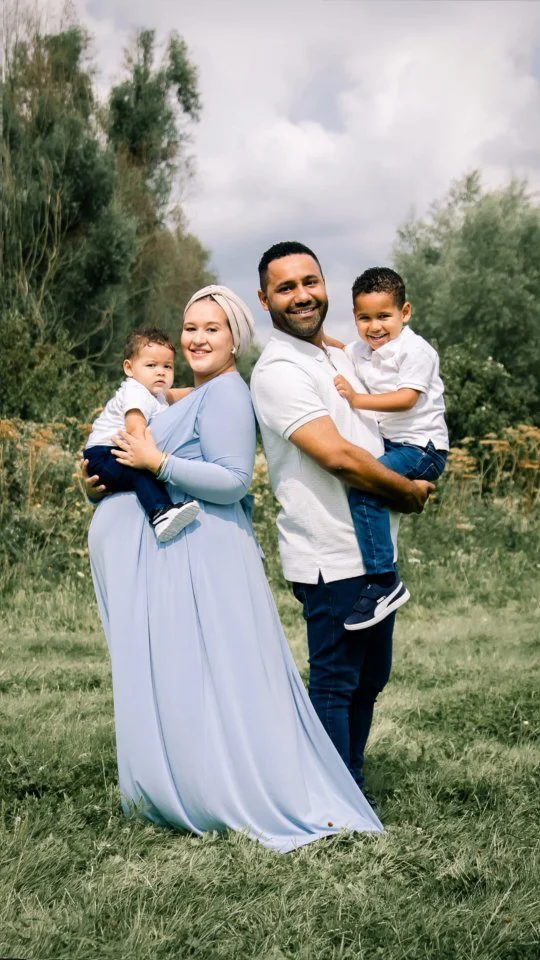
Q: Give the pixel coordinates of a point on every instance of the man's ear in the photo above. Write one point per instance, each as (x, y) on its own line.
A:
(127, 368)
(263, 298)
(406, 312)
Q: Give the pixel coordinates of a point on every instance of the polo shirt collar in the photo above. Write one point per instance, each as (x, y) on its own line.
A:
(364, 349)
(301, 346)
(392, 348)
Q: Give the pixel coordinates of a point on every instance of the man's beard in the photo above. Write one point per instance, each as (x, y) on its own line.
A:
(296, 327)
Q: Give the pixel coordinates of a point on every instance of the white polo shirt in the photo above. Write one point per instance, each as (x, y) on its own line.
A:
(293, 383)
(407, 361)
(131, 395)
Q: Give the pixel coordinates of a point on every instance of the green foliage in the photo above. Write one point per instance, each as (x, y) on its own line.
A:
(58, 186)
(68, 248)
(171, 264)
(143, 121)
(147, 119)
(480, 395)
(473, 274)
(91, 248)
(43, 515)
(43, 380)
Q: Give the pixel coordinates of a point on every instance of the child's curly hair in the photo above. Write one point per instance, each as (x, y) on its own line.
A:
(142, 337)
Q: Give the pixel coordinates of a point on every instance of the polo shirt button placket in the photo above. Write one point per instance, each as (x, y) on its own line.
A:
(326, 355)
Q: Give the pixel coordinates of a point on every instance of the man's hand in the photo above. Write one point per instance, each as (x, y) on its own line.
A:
(94, 490)
(344, 388)
(420, 492)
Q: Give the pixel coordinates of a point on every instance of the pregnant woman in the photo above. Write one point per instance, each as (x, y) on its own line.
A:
(214, 727)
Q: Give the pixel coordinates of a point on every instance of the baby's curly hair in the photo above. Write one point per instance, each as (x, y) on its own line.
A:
(142, 337)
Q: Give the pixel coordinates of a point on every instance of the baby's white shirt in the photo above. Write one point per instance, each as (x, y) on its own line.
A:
(131, 395)
(408, 361)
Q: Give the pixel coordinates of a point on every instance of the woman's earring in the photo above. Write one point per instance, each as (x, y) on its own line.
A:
(233, 350)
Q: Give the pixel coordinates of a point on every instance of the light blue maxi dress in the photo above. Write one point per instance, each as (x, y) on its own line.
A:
(214, 727)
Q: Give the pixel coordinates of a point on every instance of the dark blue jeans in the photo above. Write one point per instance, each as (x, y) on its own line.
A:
(347, 671)
(370, 513)
(151, 494)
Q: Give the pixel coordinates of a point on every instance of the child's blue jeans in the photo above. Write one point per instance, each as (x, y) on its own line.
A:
(151, 494)
(370, 513)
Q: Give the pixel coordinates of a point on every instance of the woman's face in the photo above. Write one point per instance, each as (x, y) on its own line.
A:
(207, 341)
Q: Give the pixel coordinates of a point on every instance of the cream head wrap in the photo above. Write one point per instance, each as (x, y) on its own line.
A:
(237, 312)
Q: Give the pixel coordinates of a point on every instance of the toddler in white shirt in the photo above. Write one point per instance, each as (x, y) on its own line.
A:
(145, 393)
(400, 371)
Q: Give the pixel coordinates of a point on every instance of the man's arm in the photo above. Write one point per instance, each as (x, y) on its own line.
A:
(321, 440)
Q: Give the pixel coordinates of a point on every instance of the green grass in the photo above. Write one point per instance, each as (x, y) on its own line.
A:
(454, 760)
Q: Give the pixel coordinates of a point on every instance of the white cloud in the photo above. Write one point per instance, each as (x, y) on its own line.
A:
(327, 121)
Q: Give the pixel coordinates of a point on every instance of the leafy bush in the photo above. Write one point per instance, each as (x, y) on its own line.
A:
(472, 269)
(481, 397)
(43, 514)
(505, 466)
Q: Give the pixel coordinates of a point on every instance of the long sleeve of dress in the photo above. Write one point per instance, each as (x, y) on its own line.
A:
(226, 425)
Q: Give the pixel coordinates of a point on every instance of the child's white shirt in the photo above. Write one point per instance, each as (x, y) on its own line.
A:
(408, 361)
(131, 395)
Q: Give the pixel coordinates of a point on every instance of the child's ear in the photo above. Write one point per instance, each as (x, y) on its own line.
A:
(127, 368)
(406, 312)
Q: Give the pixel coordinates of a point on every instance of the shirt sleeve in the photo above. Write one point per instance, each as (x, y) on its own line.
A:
(286, 398)
(226, 427)
(416, 370)
(137, 397)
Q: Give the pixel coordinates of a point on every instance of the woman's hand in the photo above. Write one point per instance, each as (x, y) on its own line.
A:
(138, 452)
(94, 490)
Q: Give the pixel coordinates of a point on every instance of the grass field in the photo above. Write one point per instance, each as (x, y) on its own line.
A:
(453, 759)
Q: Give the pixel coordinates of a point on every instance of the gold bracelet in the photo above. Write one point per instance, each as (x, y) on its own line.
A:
(162, 462)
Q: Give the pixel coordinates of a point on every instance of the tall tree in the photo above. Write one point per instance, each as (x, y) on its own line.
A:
(68, 247)
(92, 242)
(472, 268)
(149, 110)
(150, 113)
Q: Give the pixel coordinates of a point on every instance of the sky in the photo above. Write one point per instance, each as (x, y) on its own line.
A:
(333, 121)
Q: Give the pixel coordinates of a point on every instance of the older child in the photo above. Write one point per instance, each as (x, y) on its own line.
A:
(145, 393)
(400, 371)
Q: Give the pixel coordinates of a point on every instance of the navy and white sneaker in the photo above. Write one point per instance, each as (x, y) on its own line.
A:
(375, 603)
(169, 521)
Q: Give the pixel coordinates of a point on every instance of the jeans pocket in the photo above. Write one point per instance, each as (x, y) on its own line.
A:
(415, 465)
(431, 466)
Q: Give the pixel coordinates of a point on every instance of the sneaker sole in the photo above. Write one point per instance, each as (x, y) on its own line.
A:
(394, 605)
(186, 515)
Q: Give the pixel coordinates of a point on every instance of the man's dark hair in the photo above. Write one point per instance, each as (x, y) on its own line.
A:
(380, 280)
(284, 249)
(142, 337)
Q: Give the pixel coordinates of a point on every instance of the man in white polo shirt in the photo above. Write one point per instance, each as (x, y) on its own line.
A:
(315, 443)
